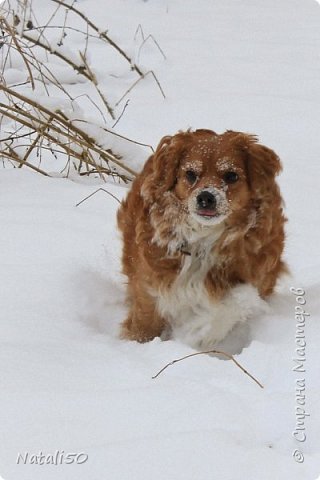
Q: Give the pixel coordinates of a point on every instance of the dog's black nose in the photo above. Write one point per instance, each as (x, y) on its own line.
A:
(206, 200)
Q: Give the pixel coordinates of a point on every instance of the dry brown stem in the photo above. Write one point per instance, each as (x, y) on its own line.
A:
(96, 191)
(217, 352)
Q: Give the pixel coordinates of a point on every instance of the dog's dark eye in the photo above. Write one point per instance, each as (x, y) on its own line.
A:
(230, 177)
(191, 176)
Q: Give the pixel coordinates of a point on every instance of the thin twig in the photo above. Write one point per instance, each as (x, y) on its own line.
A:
(18, 47)
(48, 21)
(95, 83)
(78, 68)
(15, 157)
(101, 34)
(151, 37)
(96, 191)
(219, 352)
(139, 29)
(128, 139)
(30, 149)
(13, 136)
(41, 28)
(150, 72)
(121, 114)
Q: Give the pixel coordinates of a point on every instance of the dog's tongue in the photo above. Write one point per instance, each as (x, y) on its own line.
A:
(207, 213)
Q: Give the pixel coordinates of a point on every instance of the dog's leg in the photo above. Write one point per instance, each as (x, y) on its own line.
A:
(267, 282)
(143, 322)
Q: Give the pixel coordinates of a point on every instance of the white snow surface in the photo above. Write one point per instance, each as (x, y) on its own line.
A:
(68, 383)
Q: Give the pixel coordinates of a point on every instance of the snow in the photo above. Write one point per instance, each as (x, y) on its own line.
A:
(68, 383)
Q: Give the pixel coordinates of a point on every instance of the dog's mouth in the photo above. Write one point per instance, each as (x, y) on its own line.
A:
(207, 213)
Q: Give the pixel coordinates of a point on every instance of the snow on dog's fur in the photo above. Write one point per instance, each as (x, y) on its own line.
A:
(203, 233)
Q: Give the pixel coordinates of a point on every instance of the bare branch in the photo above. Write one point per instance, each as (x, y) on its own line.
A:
(96, 191)
(218, 352)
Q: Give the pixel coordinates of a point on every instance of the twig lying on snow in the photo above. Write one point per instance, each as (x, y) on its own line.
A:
(219, 352)
(96, 191)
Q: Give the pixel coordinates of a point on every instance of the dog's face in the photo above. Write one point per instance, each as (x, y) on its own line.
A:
(203, 179)
(211, 181)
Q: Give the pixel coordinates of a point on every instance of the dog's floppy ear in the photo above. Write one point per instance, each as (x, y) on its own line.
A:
(164, 167)
(262, 163)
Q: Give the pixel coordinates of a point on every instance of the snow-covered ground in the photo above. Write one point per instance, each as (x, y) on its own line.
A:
(67, 383)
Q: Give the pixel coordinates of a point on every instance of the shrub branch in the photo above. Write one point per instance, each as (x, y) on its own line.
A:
(218, 352)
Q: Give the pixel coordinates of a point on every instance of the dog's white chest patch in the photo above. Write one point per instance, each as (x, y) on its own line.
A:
(194, 317)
